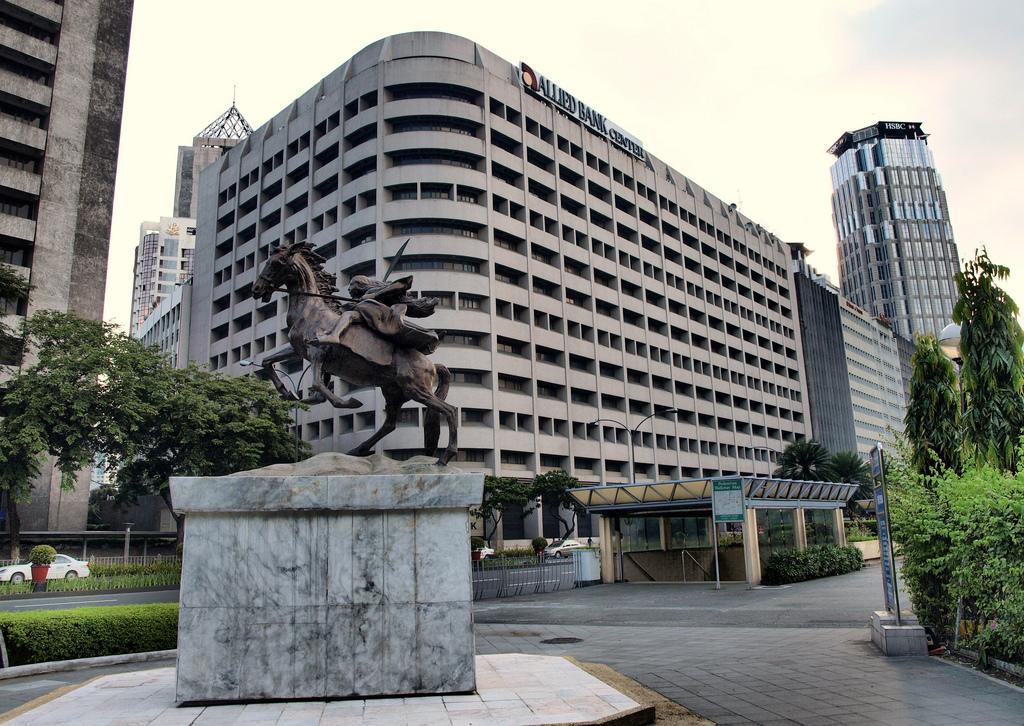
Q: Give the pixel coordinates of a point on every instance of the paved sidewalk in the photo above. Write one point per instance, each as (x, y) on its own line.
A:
(810, 676)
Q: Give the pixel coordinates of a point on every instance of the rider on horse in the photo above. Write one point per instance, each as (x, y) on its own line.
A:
(383, 307)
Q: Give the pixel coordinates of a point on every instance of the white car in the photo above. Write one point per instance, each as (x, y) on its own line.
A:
(485, 552)
(62, 568)
(563, 548)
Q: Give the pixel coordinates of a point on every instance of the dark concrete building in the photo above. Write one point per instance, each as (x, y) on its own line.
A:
(62, 74)
(828, 386)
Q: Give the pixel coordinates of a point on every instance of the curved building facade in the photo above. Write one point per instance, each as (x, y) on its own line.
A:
(580, 278)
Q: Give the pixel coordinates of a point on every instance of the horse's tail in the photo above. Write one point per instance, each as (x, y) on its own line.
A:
(432, 418)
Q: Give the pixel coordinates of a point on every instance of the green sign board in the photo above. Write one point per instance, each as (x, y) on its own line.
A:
(727, 500)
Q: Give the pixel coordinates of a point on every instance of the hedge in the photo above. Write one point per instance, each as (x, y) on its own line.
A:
(817, 561)
(88, 632)
(161, 567)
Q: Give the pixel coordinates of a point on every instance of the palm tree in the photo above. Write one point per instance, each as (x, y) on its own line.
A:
(850, 468)
(804, 459)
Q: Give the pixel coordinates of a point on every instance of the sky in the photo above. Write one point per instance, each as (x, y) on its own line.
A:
(742, 96)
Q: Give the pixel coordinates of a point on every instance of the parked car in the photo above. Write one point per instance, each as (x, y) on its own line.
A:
(63, 568)
(485, 552)
(563, 548)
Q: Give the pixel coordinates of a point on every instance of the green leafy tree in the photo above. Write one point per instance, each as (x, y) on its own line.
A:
(991, 342)
(82, 394)
(552, 488)
(932, 422)
(804, 459)
(501, 493)
(204, 424)
(13, 287)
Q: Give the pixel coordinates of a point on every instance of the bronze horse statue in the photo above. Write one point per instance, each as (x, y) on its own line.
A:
(363, 340)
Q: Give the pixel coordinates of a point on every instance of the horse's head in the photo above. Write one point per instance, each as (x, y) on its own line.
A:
(279, 270)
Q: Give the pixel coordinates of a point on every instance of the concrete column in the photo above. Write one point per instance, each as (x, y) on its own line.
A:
(606, 534)
(751, 557)
(840, 527)
(665, 530)
(799, 528)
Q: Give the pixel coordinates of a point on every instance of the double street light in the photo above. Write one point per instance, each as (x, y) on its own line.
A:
(296, 391)
(633, 433)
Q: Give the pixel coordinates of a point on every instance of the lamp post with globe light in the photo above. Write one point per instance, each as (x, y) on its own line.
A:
(949, 344)
(296, 391)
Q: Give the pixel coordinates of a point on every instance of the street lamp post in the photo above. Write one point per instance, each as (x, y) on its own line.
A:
(296, 391)
(633, 432)
(949, 344)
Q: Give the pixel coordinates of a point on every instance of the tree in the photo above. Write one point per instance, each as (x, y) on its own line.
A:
(991, 342)
(83, 394)
(500, 493)
(13, 287)
(932, 422)
(805, 459)
(204, 424)
(848, 467)
(553, 489)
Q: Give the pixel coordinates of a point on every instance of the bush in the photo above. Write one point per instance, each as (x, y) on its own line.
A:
(42, 555)
(516, 552)
(163, 567)
(538, 543)
(88, 632)
(477, 543)
(860, 530)
(817, 561)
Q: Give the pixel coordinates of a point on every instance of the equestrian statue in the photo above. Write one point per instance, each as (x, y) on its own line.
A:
(365, 339)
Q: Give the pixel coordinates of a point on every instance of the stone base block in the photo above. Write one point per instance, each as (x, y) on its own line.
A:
(892, 639)
(315, 587)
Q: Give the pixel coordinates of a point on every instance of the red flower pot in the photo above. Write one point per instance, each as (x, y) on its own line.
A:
(477, 555)
(39, 573)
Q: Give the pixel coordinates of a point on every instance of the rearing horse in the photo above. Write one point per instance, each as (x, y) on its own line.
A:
(362, 358)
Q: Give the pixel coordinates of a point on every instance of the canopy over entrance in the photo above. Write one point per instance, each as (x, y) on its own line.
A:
(689, 494)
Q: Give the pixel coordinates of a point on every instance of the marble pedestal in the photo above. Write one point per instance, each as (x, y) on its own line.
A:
(892, 639)
(326, 585)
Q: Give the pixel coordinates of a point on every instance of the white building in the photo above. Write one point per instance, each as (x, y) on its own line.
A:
(167, 326)
(580, 277)
(163, 259)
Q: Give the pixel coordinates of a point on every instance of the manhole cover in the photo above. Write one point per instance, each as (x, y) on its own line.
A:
(561, 641)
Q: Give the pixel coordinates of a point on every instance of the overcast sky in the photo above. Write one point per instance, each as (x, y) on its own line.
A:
(742, 97)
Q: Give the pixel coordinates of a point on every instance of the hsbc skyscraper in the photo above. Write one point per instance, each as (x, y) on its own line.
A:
(897, 255)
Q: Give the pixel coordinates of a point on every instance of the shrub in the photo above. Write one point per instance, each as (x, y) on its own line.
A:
(88, 632)
(860, 530)
(42, 555)
(516, 552)
(817, 561)
(476, 543)
(163, 567)
(538, 543)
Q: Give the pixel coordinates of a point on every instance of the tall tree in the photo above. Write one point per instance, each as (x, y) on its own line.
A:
(553, 489)
(83, 394)
(500, 494)
(932, 422)
(805, 459)
(991, 343)
(204, 424)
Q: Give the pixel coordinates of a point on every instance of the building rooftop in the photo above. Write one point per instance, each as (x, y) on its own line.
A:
(229, 125)
(883, 129)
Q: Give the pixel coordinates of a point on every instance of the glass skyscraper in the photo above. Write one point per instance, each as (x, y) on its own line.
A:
(897, 255)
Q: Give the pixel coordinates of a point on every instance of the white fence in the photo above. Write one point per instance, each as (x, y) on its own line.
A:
(130, 560)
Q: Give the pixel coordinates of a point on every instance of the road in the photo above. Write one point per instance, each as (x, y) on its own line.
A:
(82, 600)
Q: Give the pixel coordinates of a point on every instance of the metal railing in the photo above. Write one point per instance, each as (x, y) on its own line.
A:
(507, 577)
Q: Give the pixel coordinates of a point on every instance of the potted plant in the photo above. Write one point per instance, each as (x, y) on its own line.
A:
(41, 558)
(476, 545)
(538, 543)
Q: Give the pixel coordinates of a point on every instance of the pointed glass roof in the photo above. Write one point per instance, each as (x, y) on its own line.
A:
(229, 125)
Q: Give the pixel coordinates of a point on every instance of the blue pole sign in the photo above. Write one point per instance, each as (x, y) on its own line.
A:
(892, 598)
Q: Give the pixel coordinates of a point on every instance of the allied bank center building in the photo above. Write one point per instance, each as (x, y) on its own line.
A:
(580, 278)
